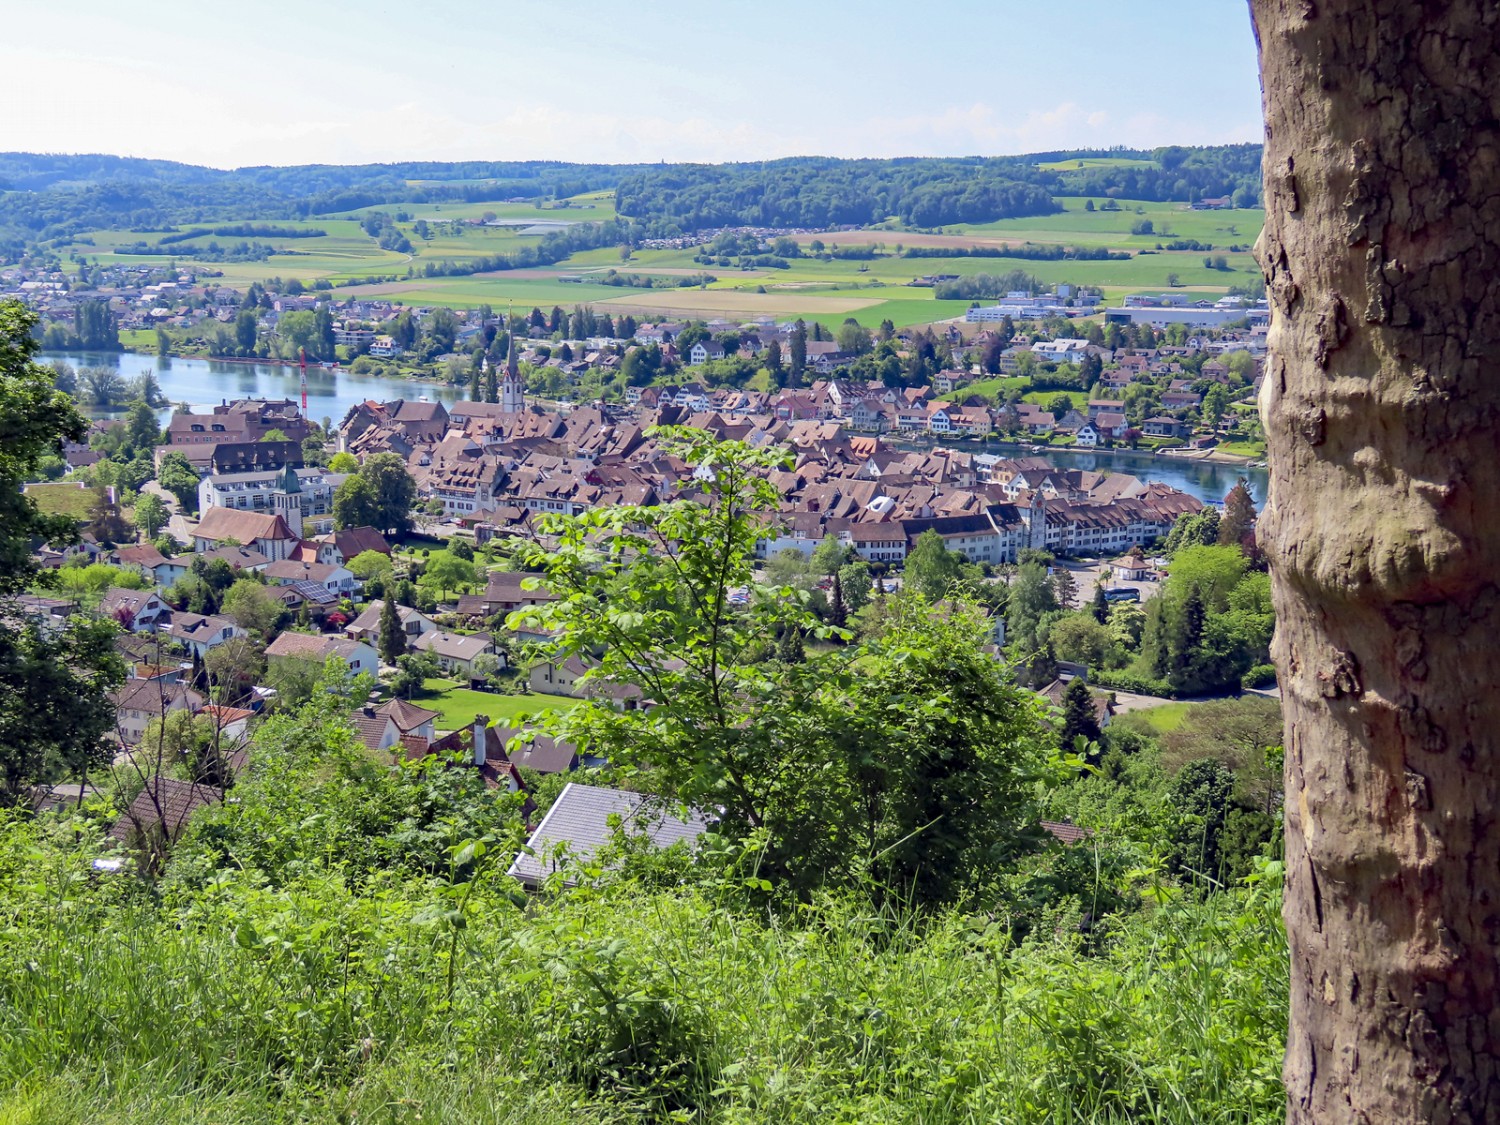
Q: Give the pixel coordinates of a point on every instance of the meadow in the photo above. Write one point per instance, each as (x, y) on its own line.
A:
(870, 291)
(457, 705)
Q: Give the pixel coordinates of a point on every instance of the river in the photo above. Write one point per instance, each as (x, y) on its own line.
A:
(207, 382)
(330, 393)
(1207, 480)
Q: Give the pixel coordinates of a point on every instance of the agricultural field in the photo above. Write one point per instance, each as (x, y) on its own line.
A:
(1096, 162)
(824, 291)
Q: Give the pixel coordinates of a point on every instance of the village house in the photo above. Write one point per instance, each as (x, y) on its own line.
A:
(456, 652)
(366, 627)
(139, 611)
(267, 533)
(198, 632)
(395, 723)
(356, 656)
(137, 702)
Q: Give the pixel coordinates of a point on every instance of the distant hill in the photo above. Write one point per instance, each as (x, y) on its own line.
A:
(46, 197)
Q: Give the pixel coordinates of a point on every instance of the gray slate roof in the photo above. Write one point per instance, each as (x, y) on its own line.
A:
(579, 818)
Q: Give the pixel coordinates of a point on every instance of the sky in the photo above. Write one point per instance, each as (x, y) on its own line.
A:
(325, 81)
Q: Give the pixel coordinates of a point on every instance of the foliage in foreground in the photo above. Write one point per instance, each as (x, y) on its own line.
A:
(421, 999)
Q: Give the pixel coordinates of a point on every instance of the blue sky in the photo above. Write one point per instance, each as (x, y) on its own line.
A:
(319, 81)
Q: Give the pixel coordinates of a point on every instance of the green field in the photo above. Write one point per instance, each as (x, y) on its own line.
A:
(823, 291)
(1167, 717)
(1096, 162)
(457, 706)
(62, 499)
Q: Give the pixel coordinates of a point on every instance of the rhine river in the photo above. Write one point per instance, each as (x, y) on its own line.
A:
(331, 392)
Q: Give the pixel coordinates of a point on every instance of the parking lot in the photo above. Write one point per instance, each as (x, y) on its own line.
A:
(1087, 574)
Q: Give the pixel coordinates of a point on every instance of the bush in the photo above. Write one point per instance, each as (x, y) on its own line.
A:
(1128, 681)
(1261, 676)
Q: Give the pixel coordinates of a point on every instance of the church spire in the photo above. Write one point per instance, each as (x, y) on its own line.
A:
(512, 390)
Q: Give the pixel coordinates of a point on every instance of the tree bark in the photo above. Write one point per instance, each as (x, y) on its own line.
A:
(1382, 409)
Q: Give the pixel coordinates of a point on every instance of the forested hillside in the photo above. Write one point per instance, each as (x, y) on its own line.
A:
(823, 192)
(45, 197)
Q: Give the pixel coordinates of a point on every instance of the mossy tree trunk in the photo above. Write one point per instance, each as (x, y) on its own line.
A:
(1382, 411)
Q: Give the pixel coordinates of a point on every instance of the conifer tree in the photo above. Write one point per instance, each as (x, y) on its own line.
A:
(789, 648)
(1100, 606)
(392, 639)
(838, 612)
(1079, 717)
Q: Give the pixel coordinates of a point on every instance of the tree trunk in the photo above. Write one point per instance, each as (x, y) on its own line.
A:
(1382, 406)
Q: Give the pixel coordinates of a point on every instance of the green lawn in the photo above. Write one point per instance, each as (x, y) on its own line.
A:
(62, 499)
(1167, 717)
(457, 706)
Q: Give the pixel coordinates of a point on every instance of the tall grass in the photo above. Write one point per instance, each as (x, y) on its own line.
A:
(309, 1002)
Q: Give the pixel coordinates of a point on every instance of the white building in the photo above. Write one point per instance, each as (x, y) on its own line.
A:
(303, 497)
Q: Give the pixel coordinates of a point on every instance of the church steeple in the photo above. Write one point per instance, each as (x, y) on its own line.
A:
(512, 390)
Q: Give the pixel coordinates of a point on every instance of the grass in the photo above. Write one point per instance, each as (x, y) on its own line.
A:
(457, 705)
(1167, 717)
(312, 999)
(1243, 448)
(62, 499)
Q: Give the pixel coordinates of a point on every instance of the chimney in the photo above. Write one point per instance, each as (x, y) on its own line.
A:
(481, 726)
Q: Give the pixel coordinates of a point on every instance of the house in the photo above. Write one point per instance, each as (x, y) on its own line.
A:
(366, 627)
(537, 751)
(456, 652)
(1131, 567)
(1162, 426)
(339, 547)
(396, 722)
(139, 611)
(504, 592)
(577, 827)
(269, 534)
(164, 805)
(198, 632)
(337, 579)
(356, 655)
(561, 678)
(1034, 419)
(137, 702)
(481, 746)
(50, 614)
(151, 564)
(703, 351)
(237, 558)
(1087, 435)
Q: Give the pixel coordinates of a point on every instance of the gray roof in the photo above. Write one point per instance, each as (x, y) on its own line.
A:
(579, 819)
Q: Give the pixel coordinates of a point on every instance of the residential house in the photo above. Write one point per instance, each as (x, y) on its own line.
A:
(337, 579)
(456, 652)
(151, 564)
(137, 702)
(395, 723)
(581, 823)
(139, 611)
(163, 808)
(198, 632)
(266, 533)
(538, 751)
(366, 627)
(357, 656)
